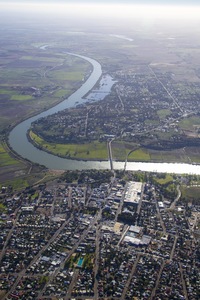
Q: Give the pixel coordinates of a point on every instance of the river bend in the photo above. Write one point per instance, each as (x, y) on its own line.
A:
(20, 144)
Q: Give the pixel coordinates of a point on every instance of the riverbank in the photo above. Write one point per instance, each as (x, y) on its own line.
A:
(20, 144)
(89, 151)
(95, 150)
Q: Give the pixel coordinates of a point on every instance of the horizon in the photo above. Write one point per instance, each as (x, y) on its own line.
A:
(175, 10)
(146, 2)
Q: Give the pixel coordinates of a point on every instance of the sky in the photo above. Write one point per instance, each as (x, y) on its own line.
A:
(182, 9)
(139, 2)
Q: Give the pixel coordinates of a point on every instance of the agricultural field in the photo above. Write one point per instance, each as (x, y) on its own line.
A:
(33, 80)
(5, 159)
(186, 155)
(33, 77)
(18, 173)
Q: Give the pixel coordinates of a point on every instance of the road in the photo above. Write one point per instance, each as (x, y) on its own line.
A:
(23, 272)
(173, 248)
(172, 206)
(120, 99)
(110, 154)
(160, 218)
(175, 101)
(140, 201)
(157, 281)
(9, 235)
(183, 282)
(96, 266)
(130, 277)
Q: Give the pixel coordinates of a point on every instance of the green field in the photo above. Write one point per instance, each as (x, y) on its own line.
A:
(163, 113)
(6, 159)
(43, 59)
(64, 75)
(21, 97)
(98, 151)
(189, 123)
(139, 155)
(62, 93)
(6, 92)
(120, 150)
(52, 75)
(167, 178)
(191, 193)
(89, 151)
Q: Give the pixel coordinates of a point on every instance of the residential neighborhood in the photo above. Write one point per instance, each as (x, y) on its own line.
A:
(109, 240)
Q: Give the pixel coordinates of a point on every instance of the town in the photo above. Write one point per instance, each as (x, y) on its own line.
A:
(99, 236)
(70, 228)
(145, 110)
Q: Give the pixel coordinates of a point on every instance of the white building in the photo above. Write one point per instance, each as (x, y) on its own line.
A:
(133, 193)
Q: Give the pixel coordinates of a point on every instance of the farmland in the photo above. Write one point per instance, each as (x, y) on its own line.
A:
(31, 83)
(31, 80)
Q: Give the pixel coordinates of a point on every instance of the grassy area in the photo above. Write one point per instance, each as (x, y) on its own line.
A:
(62, 93)
(17, 173)
(120, 150)
(191, 193)
(6, 92)
(18, 183)
(152, 122)
(165, 179)
(163, 113)
(6, 159)
(195, 159)
(89, 151)
(165, 135)
(139, 155)
(172, 156)
(189, 123)
(63, 75)
(45, 59)
(3, 208)
(21, 97)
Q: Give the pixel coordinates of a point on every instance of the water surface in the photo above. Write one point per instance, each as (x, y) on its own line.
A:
(20, 144)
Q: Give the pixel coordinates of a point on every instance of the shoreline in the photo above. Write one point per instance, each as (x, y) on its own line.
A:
(19, 143)
(105, 160)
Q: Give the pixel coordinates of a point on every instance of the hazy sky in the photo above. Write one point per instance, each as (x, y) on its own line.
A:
(161, 9)
(165, 2)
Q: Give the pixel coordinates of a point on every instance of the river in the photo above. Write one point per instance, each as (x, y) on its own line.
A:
(20, 144)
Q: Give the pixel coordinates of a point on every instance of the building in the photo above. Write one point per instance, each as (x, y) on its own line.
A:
(133, 193)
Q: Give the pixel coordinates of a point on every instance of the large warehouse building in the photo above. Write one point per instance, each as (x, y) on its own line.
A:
(133, 193)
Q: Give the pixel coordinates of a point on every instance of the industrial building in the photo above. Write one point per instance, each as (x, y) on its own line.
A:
(133, 193)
